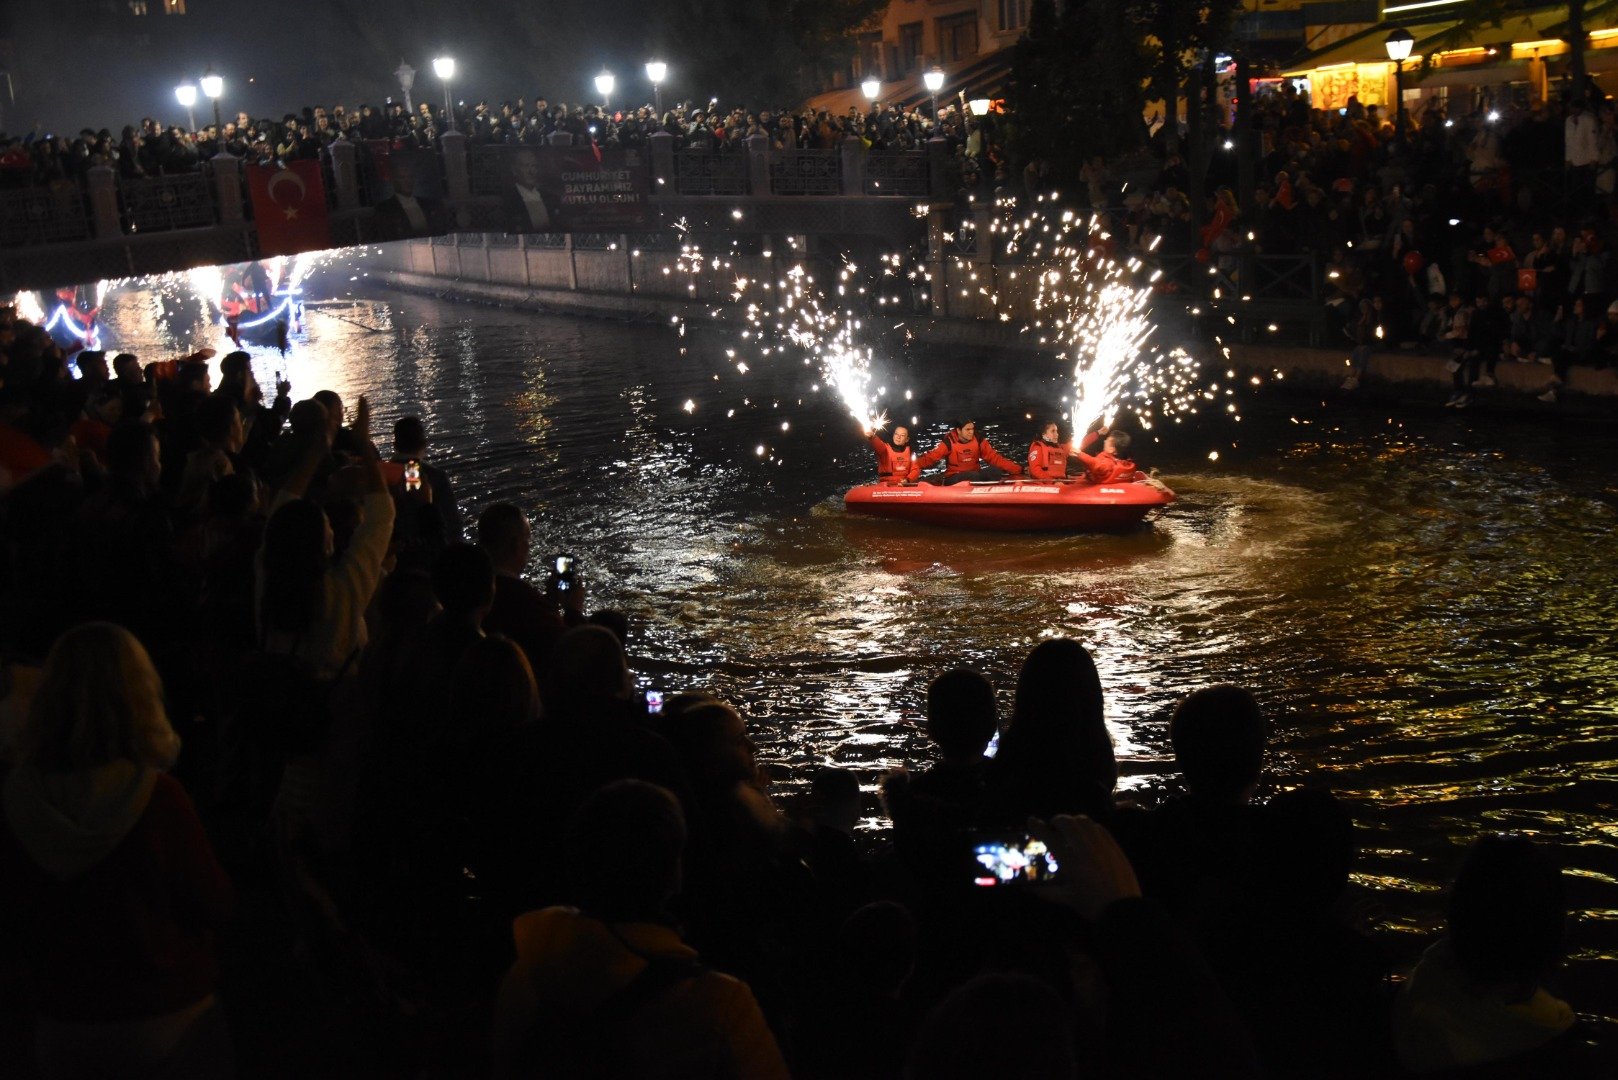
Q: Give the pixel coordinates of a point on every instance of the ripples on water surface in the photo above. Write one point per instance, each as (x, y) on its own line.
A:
(1424, 602)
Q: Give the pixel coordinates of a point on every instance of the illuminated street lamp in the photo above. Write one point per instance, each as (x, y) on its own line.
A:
(604, 84)
(444, 68)
(872, 89)
(1398, 45)
(213, 87)
(934, 82)
(979, 106)
(186, 95)
(656, 72)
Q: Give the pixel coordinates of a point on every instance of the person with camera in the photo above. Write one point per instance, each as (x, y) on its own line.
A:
(534, 619)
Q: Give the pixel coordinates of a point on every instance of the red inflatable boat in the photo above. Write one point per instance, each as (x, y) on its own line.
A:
(1016, 505)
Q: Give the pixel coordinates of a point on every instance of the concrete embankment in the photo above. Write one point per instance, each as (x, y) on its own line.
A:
(1395, 374)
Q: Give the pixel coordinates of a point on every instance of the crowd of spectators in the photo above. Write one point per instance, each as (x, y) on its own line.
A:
(295, 780)
(153, 149)
(1481, 236)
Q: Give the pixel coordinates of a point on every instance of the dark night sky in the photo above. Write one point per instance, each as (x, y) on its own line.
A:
(98, 70)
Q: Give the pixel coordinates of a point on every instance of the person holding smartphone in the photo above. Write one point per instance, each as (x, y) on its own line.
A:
(534, 619)
(410, 466)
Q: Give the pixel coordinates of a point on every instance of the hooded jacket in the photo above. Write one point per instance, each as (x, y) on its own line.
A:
(111, 891)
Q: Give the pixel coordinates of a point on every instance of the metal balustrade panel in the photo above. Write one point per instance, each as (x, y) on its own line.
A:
(889, 172)
(701, 172)
(806, 172)
(160, 203)
(43, 216)
(485, 169)
(597, 241)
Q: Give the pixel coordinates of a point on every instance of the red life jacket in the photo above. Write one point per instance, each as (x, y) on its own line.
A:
(894, 463)
(1047, 462)
(969, 455)
(1103, 468)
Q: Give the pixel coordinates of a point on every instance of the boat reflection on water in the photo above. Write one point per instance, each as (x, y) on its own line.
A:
(903, 547)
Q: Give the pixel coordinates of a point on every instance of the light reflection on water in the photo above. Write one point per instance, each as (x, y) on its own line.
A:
(1425, 604)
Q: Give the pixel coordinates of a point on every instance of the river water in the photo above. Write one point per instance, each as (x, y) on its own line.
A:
(1424, 601)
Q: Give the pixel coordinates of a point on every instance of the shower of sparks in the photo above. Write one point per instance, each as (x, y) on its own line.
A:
(1095, 312)
(830, 338)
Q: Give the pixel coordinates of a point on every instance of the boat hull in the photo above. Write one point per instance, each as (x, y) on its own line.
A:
(1015, 506)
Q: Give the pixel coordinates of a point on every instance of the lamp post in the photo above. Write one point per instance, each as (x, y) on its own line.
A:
(872, 89)
(1398, 45)
(604, 84)
(934, 82)
(407, 78)
(444, 68)
(656, 72)
(186, 95)
(213, 87)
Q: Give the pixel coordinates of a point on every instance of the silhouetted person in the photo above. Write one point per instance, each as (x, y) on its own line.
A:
(1478, 999)
(609, 989)
(933, 808)
(1055, 755)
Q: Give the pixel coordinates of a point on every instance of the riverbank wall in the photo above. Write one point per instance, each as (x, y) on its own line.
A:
(620, 282)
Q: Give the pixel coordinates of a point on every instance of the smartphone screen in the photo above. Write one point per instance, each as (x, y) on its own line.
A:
(412, 476)
(563, 573)
(1012, 860)
(654, 702)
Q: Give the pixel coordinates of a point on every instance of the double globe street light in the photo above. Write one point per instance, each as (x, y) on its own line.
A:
(213, 88)
(656, 72)
(934, 82)
(444, 68)
(872, 89)
(1398, 45)
(186, 95)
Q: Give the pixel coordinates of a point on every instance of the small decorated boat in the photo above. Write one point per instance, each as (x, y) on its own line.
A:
(1016, 505)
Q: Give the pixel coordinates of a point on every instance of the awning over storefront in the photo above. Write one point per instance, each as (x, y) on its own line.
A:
(1444, 54)
(1367, 47)
(1474, 75)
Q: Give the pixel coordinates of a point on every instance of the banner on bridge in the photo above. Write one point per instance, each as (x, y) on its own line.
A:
(516, 189)
(289, 207)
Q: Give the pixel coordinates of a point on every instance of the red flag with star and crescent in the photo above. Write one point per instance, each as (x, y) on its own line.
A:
(289, 207)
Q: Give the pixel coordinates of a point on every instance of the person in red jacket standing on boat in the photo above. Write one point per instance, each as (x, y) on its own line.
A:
(895, 456)
(1108, 467)
(968, 458)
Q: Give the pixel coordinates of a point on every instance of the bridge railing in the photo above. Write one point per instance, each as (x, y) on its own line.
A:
(43, 215)
(356, 176)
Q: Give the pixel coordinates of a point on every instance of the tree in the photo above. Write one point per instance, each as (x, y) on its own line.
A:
(766, 55)
(1176, 35)
(1075, 86)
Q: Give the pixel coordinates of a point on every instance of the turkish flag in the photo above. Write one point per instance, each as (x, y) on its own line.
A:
(289, 206)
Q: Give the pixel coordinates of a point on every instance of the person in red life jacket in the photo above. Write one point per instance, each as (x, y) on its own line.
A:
(1107, 467)
(895, 456)
(964, 456)
(1049, 457)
